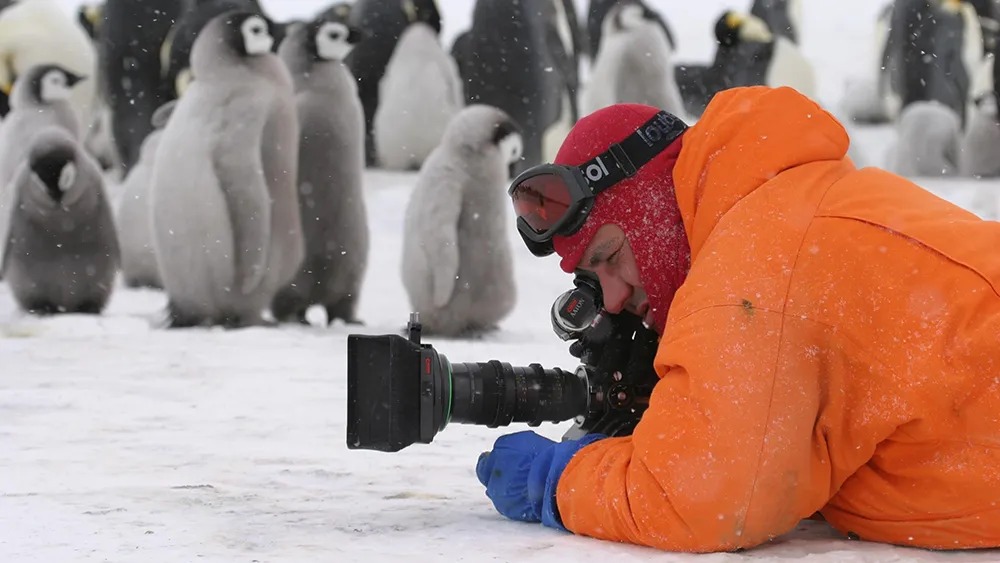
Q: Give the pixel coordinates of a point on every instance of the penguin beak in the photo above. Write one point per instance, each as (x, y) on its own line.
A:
(355, 35)
(72, 79)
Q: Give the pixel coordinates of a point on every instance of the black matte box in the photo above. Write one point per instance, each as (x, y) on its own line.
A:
(383, 393)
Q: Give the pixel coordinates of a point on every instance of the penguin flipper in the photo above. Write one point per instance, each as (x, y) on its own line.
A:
(441, 239)
(8, 196)
(248, 203)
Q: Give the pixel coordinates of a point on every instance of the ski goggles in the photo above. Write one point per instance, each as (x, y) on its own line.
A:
(553, 199)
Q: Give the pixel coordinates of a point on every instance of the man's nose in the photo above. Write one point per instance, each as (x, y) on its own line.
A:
(615, 293)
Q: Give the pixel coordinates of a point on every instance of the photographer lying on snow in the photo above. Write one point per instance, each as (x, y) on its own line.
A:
(829, 337)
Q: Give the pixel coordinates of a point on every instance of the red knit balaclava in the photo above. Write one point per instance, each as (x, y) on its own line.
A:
(643, 206)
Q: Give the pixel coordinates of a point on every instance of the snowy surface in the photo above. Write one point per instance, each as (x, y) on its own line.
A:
(120, 441)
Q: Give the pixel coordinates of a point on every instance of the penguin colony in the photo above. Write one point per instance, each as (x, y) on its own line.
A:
(932, 76)
(233, 146)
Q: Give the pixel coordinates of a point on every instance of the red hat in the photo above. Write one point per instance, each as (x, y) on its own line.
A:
(643, 206)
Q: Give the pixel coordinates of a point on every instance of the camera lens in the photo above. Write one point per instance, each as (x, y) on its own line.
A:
(496, 394)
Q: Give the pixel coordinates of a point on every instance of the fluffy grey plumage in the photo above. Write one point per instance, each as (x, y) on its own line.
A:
(40, 98)
(457, 266)
(226, 224)
(135, 224)
(979, 153)
(331, 162)
(928, 138)
(59, 251)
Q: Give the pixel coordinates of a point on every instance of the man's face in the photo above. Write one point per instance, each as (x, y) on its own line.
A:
(609, 256)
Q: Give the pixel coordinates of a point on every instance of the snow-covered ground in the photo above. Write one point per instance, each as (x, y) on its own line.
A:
(120, 441)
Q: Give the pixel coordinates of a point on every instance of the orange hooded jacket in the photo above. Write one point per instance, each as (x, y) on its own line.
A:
(835, 348)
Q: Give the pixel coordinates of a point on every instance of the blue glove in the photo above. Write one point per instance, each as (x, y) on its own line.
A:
(521, 474)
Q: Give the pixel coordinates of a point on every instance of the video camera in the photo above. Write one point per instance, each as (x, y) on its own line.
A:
(400, 391)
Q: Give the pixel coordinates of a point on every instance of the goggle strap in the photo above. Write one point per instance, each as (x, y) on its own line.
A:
(622, 160)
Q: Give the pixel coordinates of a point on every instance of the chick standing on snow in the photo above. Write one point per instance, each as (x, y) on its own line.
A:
(58, 248)
(634, 63)
(457, 264)
(135, 223)
(226, 224)
(331, 162)
(407, 128)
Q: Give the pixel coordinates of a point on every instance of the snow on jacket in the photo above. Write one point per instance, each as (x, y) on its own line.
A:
(834, 348)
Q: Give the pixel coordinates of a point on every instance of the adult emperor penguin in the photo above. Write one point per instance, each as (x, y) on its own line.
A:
(131, 33)
(36, 32)
(40, 99)
(457, 266)
(133, 218)
(406, 127)
(747, 54)
(927, 143)
(634, 63)
(226, 224)
(532, 92)
(381, 22)
(979, 154)
(331, 164)
(598, 11)
(58, 247)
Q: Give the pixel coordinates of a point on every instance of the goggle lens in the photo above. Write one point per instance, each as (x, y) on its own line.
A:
(542, 201)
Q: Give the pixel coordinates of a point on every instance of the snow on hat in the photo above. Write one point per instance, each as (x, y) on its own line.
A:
(643, 206)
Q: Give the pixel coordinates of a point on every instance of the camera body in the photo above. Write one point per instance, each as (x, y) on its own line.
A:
(401, 391)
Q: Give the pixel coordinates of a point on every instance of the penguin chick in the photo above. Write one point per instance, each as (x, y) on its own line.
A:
(927, 141)
(331, 164)
(226, 225)
(58, 247)
(457, 265)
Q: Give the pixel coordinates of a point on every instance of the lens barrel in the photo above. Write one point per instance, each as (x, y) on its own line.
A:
(496, 394)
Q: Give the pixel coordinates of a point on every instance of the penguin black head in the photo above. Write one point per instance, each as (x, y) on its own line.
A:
(733, 28)
(422, 11)
(250, 34)
(331, 40)
(51, 82)
(56, 169)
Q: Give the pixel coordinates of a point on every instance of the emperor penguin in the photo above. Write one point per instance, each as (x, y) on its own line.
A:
(633, 65)
(382, 22)
(40, 98)
(979, 154)
(58, 247)
(598, 11)
(533, 92)
(748, 54)
(130, 35)
(38, 32)
(927, 144)
(331, 164)
(133, 218)
(865, 98)
(406, 127)
(226, 224)
(457, 265)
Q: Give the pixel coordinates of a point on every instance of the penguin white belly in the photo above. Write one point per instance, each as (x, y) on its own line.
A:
(418, 96)
(556, 133)
(601, 87)
(790, 68)
(192, 232)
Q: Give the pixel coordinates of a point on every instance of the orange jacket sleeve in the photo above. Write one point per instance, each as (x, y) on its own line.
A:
(725, 457)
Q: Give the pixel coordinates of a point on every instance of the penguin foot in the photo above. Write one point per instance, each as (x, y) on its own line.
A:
(42, 308)
(90, 308)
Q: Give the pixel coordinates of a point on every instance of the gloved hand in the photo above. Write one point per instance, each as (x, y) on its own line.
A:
(521, 474)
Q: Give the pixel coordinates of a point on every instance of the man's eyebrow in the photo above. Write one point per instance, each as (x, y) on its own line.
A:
(597, 255)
